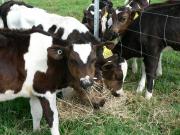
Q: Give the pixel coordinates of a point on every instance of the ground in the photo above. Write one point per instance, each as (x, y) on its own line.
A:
(134, 115)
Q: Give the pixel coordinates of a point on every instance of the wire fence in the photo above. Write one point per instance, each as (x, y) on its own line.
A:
(141, 33)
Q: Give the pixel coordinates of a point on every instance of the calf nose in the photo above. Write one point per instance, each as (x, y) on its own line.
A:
(86, 82)
(114, 34)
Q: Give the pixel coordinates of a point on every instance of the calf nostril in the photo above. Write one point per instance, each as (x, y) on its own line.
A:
(86, 83)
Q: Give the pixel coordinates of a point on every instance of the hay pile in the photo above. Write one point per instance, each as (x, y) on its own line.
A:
(72, 108)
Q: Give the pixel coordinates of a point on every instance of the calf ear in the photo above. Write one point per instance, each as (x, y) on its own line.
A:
(38, 27)
(109, 44)
(56, 52)
(52, 29)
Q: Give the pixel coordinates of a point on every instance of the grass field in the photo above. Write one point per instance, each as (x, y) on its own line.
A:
(161, 115)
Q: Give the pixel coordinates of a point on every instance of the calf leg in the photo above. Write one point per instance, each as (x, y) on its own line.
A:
(150, 67)
(36, 112)
(159, 68)
(134, 66)
(142, 82)
(50, 111)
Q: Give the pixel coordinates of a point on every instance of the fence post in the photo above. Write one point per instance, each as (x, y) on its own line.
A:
(96, 18)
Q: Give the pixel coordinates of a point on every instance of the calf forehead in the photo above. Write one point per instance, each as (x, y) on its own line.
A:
(118, 11)
(83, 50)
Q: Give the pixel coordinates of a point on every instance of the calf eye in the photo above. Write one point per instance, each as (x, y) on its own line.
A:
(59, 52)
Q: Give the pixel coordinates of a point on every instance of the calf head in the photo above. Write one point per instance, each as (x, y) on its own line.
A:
(104, 3)
(89, 17)
(122, 18)
(137, 4)
(79, 54)
(114, 72)
(105, 21)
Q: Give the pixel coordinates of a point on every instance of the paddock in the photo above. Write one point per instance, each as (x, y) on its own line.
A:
(129, 114)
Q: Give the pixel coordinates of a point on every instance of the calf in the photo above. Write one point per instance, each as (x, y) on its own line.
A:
(156, 28)
(29, 70)
(137, 4)
(37, 66)
(15, 15)
(105, 21)
(114, 73)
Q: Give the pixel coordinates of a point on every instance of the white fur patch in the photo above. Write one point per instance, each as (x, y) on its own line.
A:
(52, 102)
(69, 24)
(51, 97)
(124, 67)
(21, 16)
(36, 112)
(92, 12)
(120, 92)
(8, 95)
(103, 23)
(159, 68)
(1, 23)
(148, 95)
(110, 22)
(86, 79)
(117, 11)
(83, 51)
(36, 57)
(128, 6)
(142, 82)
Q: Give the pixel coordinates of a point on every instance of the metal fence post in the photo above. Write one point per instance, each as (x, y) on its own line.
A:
(96, 19)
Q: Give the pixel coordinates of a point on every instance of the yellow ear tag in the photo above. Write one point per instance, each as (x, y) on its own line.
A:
(106, 14)
(136, 16)
(107, 52)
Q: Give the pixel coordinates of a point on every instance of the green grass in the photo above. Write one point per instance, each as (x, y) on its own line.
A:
(161, 115)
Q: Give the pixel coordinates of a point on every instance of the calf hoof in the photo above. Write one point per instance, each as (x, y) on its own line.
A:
(118, 93)
(148, 95)
(159, 74)
(37, 129)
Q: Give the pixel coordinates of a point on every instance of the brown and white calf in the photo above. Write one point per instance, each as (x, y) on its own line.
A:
(156, 28)
(37, 65)
(27, 70)
(114, 72)
(20, 15)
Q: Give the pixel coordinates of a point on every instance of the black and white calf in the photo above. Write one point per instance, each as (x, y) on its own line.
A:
(105, 21)
(162, 22)
(137, 4)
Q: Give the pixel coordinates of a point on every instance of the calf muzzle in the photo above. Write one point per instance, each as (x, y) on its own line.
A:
(86, 83)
